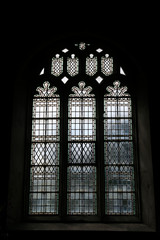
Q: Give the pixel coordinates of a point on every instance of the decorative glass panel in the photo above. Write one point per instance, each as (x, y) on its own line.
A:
(72, 65)
(82, 190)
(91, 65)
(64, 79)
(81, 152)
(81, 173)
(57, 65)
(65, 50)
(118, 152)
(82, 45)
(44, 171)
(122, 71)
(99, 79)
(118, 129)
(99, 50)
(107, 65)
(116, 91)
(42, 72)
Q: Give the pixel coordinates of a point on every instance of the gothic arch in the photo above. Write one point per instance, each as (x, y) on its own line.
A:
(27, 78)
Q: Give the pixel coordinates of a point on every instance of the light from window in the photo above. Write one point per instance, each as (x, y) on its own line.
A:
(42, 72)
(44, 169)
(72, 65)
(57, 65)
(81, 172)
(122, 71)
(118, 152)
(106, 65)
(91, 65)
(115, 175)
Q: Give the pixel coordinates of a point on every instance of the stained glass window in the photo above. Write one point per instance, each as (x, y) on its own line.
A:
(81, 171)
(72, 65)
(97, 61)
(82, 142)
(44, 169)
(118, 152)
(57, 65)
(91, 65)
(107, 65)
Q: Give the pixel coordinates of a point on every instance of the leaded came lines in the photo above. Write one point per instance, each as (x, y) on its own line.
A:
(118, 152)
(67, 64)
(44, 170)
(81, 166)
(81, 171)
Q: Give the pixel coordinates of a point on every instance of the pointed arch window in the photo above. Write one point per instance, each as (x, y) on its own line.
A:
(118, 152)
(83, 146)
(44, 168)
(82, 186)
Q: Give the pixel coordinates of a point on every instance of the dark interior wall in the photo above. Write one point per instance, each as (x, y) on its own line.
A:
(24, 35)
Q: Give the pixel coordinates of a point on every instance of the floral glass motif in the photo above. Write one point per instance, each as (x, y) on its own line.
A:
(116, 91)
(45, 144)
(81, 91)
(118, 152)
(82, 45)
(81, 171)
(46, 91)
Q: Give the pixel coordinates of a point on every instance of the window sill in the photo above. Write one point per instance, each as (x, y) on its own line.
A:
(112, 227)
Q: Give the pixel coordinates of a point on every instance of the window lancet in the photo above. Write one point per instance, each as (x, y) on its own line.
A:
(45, 145)
(81, 172)
(118, 152)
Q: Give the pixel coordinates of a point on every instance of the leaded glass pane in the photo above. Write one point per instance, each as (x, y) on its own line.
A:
(45, 130)
(82, 129)
(81, 172)
(81, 179)
(117, 107)
(120, 203)
(82, 190)
(44, 171)
(119, 178)
(91, 65)
(45, 153)
(57, 65)
(80, 108)
(116, 129)
(107, 65)
(81, 153)
(46, 108)
(118, 152)
(72, 65)
(44, 178)
(43, 203)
